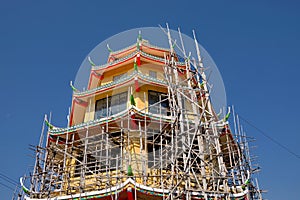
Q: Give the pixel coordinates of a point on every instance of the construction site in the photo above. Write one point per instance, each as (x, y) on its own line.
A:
(145, 128)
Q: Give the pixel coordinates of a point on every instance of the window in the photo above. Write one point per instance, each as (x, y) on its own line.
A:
(111, 105)
(101, 108)
(158, 103)
(152, 74)
(118, 103)
(118, 77)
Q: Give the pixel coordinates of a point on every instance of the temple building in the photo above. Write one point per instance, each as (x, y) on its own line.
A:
(144, 128)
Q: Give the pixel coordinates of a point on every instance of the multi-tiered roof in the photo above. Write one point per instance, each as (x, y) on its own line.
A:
(144, 128)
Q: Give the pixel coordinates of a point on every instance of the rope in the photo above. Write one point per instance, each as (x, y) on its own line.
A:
(8, 187)
(284, 147)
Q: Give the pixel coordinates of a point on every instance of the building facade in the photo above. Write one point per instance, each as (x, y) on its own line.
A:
(144, 128)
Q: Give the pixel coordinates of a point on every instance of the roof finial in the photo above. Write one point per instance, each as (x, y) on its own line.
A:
(91, 62)
(140, 36)
(72, 86)
(109, 49)
(139, 41)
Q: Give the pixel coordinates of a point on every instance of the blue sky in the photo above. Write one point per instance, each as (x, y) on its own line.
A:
(255, 45)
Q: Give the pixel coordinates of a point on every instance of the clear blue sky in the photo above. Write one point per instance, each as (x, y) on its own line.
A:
(255, 45)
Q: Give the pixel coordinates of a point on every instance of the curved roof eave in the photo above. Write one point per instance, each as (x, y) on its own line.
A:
(144, 45)
(131, 56)
(61, 131)
(120, 82)
(129, 182)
